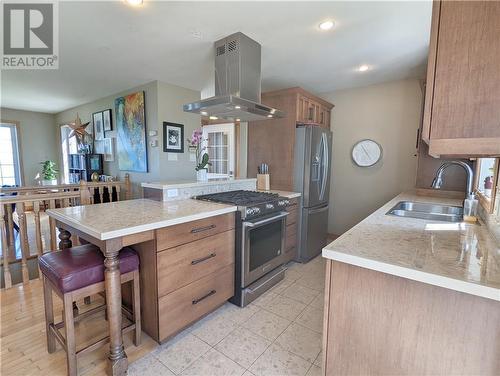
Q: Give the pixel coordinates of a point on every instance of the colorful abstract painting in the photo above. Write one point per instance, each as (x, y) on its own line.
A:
(131, 133)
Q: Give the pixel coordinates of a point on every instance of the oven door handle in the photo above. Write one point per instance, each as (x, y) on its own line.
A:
(265, 221)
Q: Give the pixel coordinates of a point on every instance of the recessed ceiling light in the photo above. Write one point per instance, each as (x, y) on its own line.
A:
(237, 119)
(204, 113)
(269, 116)
(326, 25)
(363, 68)
(237, 107)
(213, 118)
(134, 2)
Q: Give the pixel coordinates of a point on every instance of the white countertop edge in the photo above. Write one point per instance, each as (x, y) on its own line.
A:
(293, 195)
(282, 193)
(415, 275)
(141, 228)
(173, 185)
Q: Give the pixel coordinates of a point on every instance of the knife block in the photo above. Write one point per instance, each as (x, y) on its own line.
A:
(263, 182)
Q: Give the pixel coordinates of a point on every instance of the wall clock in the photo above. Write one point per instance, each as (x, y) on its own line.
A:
(366, 153)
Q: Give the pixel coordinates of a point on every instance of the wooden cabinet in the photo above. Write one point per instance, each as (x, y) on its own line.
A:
(380, 324)
(312, 111)
(186, 272)
(273, 141)
(462, 102)
(291, 230)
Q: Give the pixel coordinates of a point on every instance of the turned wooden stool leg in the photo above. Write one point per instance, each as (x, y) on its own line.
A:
(65, 243)
(64, 239)
(137, 308)
(49, 316)
(118, 362)
(69, 326)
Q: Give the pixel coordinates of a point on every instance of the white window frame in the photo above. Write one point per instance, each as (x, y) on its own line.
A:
(16, 150)
(65, 151)
(216, 128)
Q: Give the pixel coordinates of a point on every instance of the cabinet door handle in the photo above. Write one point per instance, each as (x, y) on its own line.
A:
(201, 229)
(196, 301)
(211, 255)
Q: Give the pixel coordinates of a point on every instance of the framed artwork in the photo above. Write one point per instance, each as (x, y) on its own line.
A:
(131, 132)
(97, 119)
(109, 155)
(106, 116)
(173, 137)
(99, 146)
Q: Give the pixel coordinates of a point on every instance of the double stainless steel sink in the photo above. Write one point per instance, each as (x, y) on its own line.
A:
(431, 212)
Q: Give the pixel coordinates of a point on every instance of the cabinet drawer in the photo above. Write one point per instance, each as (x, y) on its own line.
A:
(173, 236)
(179, 266)
(184, 306)
(294, 204)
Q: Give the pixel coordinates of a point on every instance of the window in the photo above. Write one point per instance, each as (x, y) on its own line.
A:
(220, 144)
(68, 146)
(486, 181)
(10, 166)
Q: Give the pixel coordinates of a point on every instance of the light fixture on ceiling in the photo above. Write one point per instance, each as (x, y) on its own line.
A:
(363, 68)
(237, 119)
(326, 25)
(213, 118)
(269, 116)
(204, 113)
(237, 107)
(134, 3)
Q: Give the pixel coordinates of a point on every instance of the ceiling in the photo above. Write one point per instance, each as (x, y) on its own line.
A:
(107, 47)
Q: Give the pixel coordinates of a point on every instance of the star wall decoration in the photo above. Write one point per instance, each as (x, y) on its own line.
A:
(78, 129)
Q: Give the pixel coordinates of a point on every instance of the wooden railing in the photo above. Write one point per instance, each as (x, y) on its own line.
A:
(34, 201)
(39, 189)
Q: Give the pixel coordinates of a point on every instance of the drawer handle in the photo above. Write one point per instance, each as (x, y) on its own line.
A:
(211, 255)
(201, 229)
(196, 301)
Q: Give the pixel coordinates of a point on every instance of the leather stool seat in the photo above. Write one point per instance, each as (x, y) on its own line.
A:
(81, 266)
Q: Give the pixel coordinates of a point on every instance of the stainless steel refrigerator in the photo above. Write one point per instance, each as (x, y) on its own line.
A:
(312, 165)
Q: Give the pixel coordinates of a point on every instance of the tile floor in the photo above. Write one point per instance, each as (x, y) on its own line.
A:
(278, 334)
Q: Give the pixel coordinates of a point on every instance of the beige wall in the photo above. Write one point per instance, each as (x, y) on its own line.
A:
(36, 138)
(163, 103)
(388, 113)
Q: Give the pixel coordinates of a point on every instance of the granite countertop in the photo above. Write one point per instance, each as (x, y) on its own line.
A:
(283, 193)
(193, 183)
(115, 219)
(458, 256)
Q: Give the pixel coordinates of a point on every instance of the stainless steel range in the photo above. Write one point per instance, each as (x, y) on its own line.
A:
(260, 241)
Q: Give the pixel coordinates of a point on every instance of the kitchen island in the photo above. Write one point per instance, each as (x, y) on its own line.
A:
(410, 296)
(183, 232)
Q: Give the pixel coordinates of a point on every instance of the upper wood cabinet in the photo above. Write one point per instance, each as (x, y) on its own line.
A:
(462, 102)
(312, 111)
(273, 141)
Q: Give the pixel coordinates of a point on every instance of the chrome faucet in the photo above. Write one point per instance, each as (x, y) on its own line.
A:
(438, 180)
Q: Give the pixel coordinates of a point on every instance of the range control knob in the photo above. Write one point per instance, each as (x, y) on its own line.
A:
(252, 211)
(283, 203)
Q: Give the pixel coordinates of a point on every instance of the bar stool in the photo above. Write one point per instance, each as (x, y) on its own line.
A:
(75, 273)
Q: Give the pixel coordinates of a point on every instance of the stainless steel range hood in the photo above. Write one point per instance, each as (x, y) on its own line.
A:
(237, 83)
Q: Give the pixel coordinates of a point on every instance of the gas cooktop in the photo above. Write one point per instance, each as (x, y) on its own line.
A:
(251, 204)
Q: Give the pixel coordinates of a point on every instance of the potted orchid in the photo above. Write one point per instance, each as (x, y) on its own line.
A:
(195, 144)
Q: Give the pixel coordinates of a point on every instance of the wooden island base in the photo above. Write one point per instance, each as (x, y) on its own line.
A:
(380, 324)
